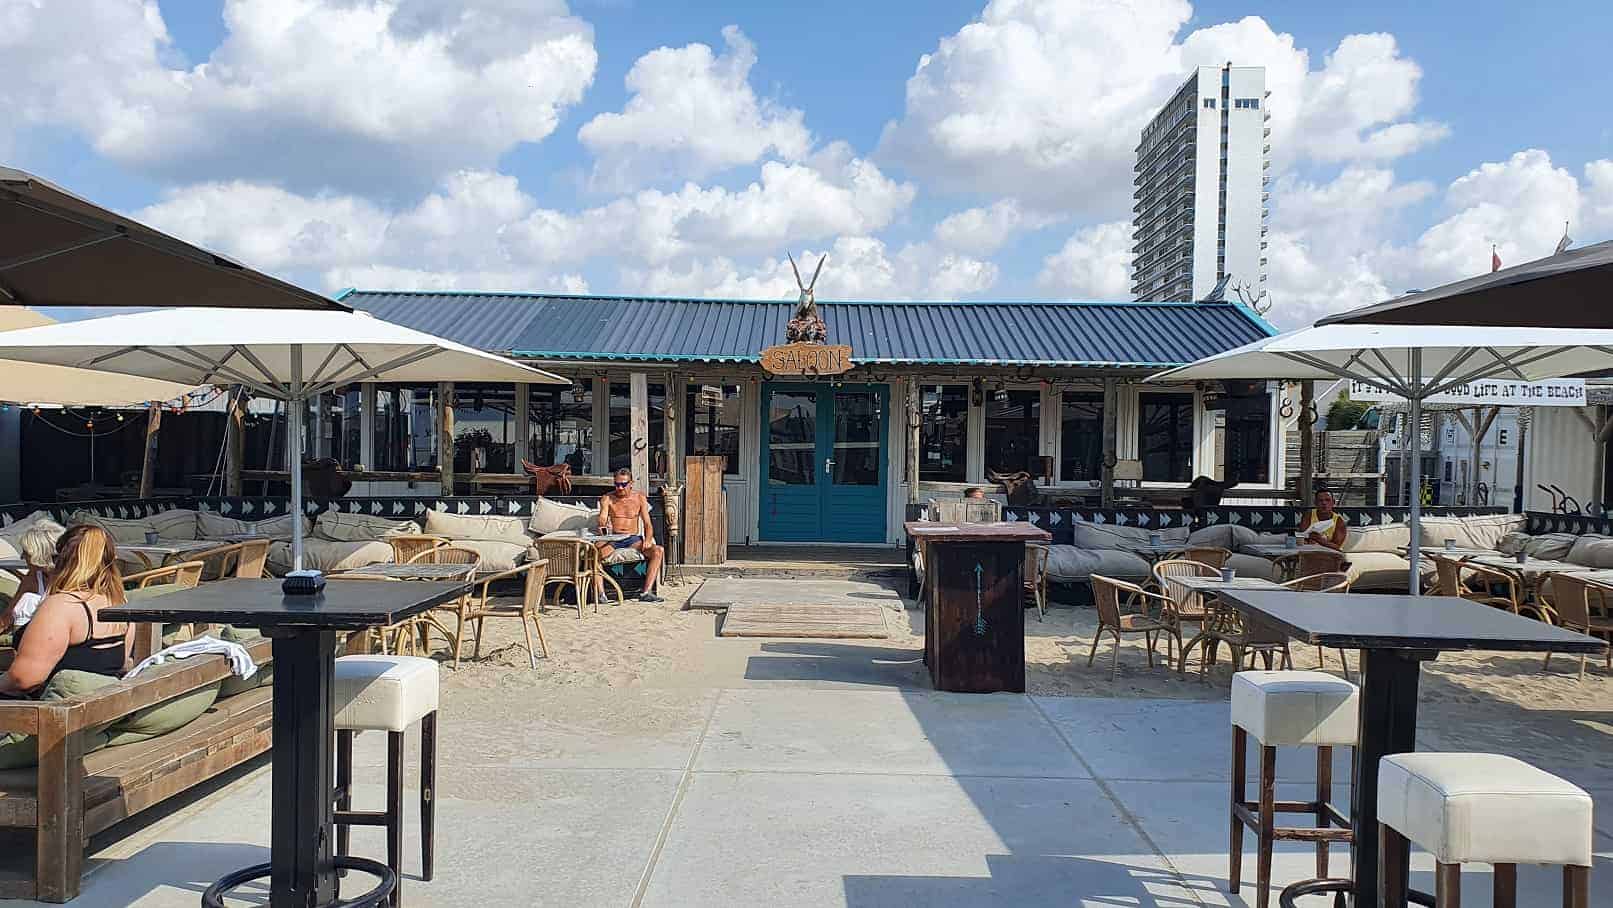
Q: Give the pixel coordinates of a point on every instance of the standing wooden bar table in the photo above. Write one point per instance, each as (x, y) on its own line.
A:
(1395, 635)
(974, 614)
(301, 870)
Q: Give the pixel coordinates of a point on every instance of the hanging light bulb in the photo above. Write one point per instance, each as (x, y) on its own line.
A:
(89, 424)
(120, 417)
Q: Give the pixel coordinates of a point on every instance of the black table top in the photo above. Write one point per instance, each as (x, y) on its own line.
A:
(344, 604)
(1368, 621)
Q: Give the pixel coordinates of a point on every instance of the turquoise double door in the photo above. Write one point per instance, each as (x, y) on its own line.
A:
(824, 465)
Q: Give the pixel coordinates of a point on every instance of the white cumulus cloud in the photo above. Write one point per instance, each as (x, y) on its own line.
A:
(1094, 263)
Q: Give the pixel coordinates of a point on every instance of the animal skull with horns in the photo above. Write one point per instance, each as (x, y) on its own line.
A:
(806, 325)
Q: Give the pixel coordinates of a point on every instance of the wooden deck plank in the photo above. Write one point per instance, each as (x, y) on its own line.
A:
(805, 620)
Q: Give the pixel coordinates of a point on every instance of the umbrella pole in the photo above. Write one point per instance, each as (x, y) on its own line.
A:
(294, 408)
(1414, 434)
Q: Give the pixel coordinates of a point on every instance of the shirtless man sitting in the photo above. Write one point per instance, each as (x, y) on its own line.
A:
(627, 511)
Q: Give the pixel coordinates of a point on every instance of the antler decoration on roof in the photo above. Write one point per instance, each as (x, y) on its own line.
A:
(806, 325)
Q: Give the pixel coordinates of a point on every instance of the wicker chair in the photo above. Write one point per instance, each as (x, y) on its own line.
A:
(532, 575)
(460, 607)
(401, 639)
(575, 563)
(1113, 598)
(1036, 578)
(249, 563)
(1573, 599)
(407, 547)
(1214, 556)
(1305, 564)
(186, 575)
(219, 561)
(1186, 604)
(1336, 582)
(1454, 577)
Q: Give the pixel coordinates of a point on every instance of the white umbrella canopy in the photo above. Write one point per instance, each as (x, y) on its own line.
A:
(288, 355)
(33, 383)
(1412, 361)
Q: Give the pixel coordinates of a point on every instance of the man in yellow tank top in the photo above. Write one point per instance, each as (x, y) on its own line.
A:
(1322, 525)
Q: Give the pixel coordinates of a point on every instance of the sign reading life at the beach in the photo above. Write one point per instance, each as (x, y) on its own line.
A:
(1558, 392)
(807, 359)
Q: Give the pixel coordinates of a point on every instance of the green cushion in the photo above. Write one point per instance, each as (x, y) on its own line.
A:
(164, 717)
(263, 677)
(18, 749)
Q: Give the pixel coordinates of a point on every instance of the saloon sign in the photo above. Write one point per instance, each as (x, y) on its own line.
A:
(1561, 392)
(807, 359)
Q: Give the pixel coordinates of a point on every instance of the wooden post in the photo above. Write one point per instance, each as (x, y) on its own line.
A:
(234, 441)
(148, 463)
(445, 435)
(1111, 434)
(366, 425)
(672, 418)
(523, 424)
(915, 433)
(638, 433)
(1307, 443)
(1481, 429)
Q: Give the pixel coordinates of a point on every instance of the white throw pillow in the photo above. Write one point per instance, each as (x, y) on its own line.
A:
(551, 516)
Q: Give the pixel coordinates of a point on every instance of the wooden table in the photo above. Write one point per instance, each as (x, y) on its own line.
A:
(1279, 550)
(164, 549)
(414, 571)
(1458, 551)
(974, 619)
(1395, 635)
(301, 869)
(1155, 552)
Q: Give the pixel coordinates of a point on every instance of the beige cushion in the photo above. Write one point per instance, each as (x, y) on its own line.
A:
(1512, 543)
(1592, 551)
(1069, 564)
(465, 526)
(1385, 537)
(179, 523)
(360, 527)
(216, 526)
(496, 555)
(13, 531)
(383, 693)
(1378, 571)
(1484, 807)
(1296, 708)
(550, 516)
(1479, 531)
(1253, 566)
(1551, 546)
(1126, 539)
(328, 555)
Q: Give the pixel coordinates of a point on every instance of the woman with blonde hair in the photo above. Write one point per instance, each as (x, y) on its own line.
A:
(38, 545)
(67, 631)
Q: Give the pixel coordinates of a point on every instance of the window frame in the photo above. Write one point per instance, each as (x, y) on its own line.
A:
(1191, 400)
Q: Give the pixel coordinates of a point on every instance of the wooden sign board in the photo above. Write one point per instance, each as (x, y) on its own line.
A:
(807, 359)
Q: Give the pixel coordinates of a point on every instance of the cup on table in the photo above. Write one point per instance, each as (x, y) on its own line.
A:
(1522, 557)
(151, 537)
(1228, 575)
(1155, 539)
(1450, 544)
(1291, 541)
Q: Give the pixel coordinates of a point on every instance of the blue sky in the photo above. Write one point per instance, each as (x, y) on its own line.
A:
(507, 150)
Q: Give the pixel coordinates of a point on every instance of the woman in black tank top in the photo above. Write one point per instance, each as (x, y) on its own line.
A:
(63, 633)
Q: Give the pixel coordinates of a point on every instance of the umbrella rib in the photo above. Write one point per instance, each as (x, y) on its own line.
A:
(207, 366)
(354, 353)
(1389, 367)
(1387, 380)
(1340, 371)
(407, 359)
(218, 365)
(97, 360)
(63, 249)
(268, 374)
(1505, 362)
(1456, 363)
(319, 370)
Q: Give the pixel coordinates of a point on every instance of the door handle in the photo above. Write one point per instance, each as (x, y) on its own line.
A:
(828, 463)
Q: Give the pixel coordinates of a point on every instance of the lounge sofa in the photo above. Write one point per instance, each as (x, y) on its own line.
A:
(340, 542)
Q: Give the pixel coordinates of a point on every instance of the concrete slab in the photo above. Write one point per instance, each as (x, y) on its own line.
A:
(909, 732)
(1168, 740)
(881, 840)
(504, 837)
(720, 592)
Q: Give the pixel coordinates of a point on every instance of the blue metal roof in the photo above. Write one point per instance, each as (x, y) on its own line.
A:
(1041, 333)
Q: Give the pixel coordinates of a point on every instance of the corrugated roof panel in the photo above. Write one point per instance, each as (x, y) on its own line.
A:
(645, 328)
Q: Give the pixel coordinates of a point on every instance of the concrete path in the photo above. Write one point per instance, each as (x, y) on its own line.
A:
(803, 796)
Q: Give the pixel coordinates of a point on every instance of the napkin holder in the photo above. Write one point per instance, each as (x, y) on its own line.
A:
(303, 583)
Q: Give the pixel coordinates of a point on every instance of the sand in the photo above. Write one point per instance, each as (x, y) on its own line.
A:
(639, 644)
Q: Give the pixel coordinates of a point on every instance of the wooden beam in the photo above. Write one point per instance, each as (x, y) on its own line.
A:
(1482, 420)
(523, 423)
(148, 463)
(638, 390)
(914, 414)
(366, 426)
(234, 441)
(1307, 443)
(1111, 436)
(445, 435)
(672, 418)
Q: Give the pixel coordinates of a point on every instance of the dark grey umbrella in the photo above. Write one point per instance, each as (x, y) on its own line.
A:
(57, 249)
(1572, 289)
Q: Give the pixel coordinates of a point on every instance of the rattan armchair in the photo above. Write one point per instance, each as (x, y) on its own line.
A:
(1455, 575)
(1306, 564)
(185, 575)
(532, 575)
(1580, 604)
(575, 563)
(408, 546)
(1123, 609)
(460, 607)
(1214, 556)
(1186, 604)
(1335, 582)
(1036, 578)
(249, 562)
(403, 638)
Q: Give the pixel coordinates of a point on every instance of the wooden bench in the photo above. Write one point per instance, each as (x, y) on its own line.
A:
(70, 795)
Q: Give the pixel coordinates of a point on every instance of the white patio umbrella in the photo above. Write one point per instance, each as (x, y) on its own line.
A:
(266, 351)
(1412, 361)
(35, 383)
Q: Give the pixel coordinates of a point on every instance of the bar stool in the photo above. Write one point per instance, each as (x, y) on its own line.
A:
(387, 693)
(1289, 709)
(1485, 808)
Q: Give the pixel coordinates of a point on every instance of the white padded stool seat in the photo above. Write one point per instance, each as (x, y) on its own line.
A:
(1293, 708)
(1484, 807)
(383, 693)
